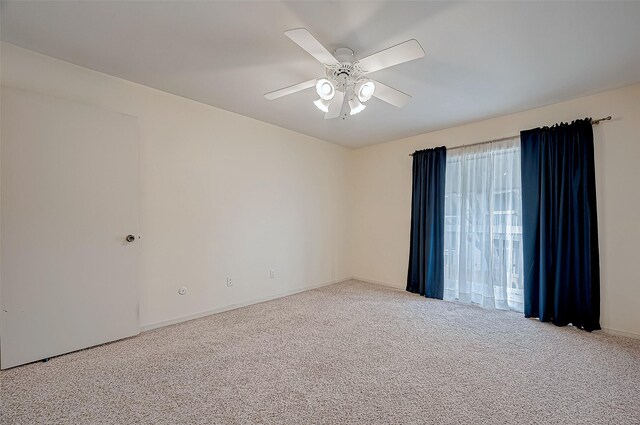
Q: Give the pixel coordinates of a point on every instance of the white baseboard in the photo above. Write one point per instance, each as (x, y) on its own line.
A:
(229, 307)
(617, 332)
(377, 282)
(609, 331)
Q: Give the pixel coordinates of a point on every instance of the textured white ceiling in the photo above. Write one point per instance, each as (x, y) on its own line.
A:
(483, 58)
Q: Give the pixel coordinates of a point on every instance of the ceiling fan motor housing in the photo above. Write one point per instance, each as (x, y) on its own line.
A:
(345, 75)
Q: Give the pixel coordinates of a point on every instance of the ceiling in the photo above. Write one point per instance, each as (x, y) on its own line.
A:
(483, 59)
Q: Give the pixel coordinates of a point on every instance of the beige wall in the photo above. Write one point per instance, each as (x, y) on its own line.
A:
(225, 195)
(221, 194)
(381, 186)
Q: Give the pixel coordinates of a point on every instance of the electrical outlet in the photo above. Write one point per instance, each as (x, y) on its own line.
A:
(229, 282)
(272, 274)
(182, 290)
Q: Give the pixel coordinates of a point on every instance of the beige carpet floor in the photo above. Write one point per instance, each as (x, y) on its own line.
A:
(350, 353)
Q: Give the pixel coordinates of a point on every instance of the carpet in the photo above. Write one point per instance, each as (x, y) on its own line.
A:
(350, 353)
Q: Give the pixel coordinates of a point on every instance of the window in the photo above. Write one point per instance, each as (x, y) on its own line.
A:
(483, 230)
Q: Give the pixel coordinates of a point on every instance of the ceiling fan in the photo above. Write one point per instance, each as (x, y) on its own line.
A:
(346, 78)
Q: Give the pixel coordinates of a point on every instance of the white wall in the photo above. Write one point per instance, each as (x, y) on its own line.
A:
(221, 194)
(381, 185)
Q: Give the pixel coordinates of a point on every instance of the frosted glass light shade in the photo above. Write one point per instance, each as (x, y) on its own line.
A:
(364, 90)
(325, 89)
(322, 104)
(355, 106)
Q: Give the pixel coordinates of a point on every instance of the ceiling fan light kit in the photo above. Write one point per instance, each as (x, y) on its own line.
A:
(346, 78)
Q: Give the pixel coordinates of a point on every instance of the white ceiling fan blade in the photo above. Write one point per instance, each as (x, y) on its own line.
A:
(390, 95)
(335, 107)
(308, 42)
(403, 52)
(289, 90)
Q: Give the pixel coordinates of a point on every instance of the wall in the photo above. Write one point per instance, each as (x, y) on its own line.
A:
(221, 194)
(225, 195)
(380, 179)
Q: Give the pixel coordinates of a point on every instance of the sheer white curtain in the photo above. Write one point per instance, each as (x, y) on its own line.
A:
(483, 230)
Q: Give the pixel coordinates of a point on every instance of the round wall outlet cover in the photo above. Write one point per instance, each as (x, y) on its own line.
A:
(182, 290)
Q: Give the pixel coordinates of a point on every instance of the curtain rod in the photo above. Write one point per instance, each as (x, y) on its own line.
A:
(593, 122)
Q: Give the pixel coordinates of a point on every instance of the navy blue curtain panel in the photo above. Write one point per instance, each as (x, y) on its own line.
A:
(426, 253)
(559, 225)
